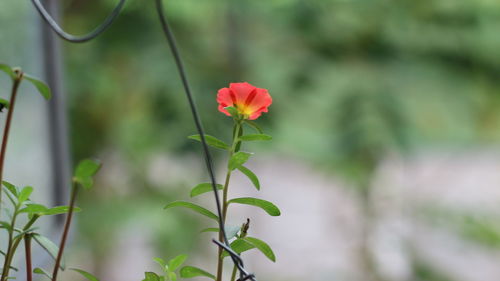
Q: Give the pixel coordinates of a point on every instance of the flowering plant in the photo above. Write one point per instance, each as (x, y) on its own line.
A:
(22, 205)
(244, 103)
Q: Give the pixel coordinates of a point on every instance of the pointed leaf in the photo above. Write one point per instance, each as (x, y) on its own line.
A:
(238, 159)
(203, 188)
(151, 276)
(233, 111)
(172, 276)
(87, 168)
(210, 229)
(60, 210)
(239, 246)
(3, 104)
(262, 246)
(212, 141)
(11, 199)
(254, 126)
(25, 194)
(85, 274)
(34, 208)
(84, 172)
(50, 247)
(256, 137)
(42, 88)
(38, 270)
(162, 263)
(12, 188)
(174, 263)
(6, 225)
(250, 175)
(193, 207)
(267, 206)
(191, 271)
(8, 70)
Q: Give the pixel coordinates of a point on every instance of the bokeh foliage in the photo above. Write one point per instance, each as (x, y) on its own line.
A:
(351, 80)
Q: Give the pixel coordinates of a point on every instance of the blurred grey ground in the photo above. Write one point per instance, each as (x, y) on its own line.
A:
(318, 234)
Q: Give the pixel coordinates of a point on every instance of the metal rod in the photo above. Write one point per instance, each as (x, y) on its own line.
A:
(58, 121)
(46, 15)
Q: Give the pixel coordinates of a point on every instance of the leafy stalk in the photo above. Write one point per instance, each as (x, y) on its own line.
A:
(15, 86)
(69, 216)
(244, 232)
(13, 248)
(225, 204)
(10, 252)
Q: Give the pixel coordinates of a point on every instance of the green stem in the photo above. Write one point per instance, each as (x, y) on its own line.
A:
(15, 244)
(244, 232)
(220, 259)
(69, 216)
(233, 275)
(10, 253)
(6, 129)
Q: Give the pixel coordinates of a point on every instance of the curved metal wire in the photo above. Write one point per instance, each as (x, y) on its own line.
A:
(244, 275)
(78, 39)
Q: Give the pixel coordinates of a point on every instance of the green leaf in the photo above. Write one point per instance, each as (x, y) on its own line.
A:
(34, 208)
(256, 137)
(42, 88)
(85, 274)
(254, 126)
(25, 194)
(6, 225)
(267, 206)
(203, 188)
(151, 276)
(14, 203)
(250, 175)
(12, 188)
(60, 210)
(38, 270)
(50, 247)
(212, 141)
(172, 276)
(84, 172)
(8, 70)
(193, 207)
(210, 229)
(233, 111)
(238, 159)
(231, 230)
(162, 263)
(3, 104)
(41, 210)
(239, 246)
(174, 263)
(261, 246)
(191, 271)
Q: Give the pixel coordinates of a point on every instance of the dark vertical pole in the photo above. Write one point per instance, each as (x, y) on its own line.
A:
(58, 124)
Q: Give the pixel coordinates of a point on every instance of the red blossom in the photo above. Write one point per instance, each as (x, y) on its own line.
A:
(249, 100)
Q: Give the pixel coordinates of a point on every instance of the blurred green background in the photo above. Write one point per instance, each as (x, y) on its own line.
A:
(360, 89)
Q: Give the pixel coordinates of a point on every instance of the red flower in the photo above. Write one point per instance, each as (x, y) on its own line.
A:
(249, 100)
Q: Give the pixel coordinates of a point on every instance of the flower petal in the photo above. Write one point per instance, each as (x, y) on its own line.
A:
(260, 103)
(224, 99)
(241, 91)
(249, 100)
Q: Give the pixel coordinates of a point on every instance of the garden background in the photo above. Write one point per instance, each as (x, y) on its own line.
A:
(385, 120)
